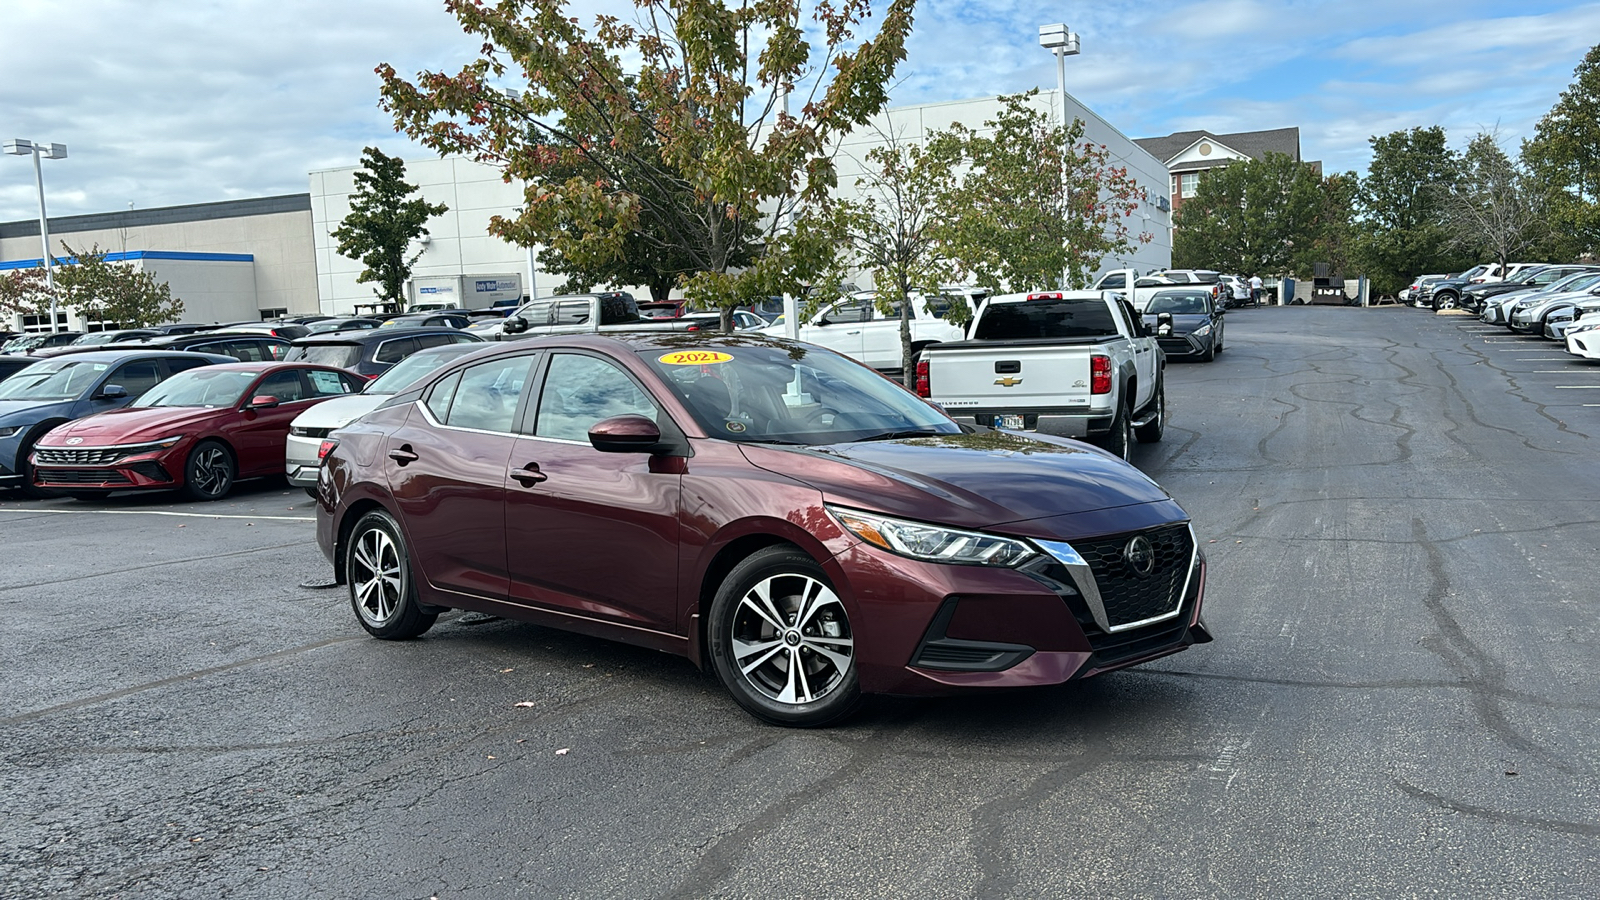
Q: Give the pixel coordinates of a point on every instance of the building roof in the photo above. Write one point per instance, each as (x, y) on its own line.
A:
(163, 215)
(1254, 144)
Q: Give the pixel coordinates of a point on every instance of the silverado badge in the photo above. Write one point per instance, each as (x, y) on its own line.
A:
(1008, 381)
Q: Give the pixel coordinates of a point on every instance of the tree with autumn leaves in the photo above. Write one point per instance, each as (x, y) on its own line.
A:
(700, 128)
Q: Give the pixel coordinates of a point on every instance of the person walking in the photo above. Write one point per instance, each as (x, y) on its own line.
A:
(1255, 290)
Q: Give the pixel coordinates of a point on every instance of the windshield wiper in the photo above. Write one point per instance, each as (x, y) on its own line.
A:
(896, 435)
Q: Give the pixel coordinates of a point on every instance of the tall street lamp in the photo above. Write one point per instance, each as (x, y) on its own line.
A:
(20, 147)
(1064, 43)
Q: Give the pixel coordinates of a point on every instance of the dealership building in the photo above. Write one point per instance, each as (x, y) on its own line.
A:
(272, 256)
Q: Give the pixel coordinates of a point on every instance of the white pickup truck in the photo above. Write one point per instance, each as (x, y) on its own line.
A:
(1147, 286)
(854, 327)
(1078, 364)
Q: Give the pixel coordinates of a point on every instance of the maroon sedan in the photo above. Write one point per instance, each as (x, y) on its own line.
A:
(772, 510)
(198, 431)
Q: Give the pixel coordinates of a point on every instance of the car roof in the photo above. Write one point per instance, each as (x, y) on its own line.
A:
(271, 366)
(373, 335)
(114, 356)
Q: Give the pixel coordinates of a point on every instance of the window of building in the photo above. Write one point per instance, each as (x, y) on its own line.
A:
(1174, 190)
(1191, 184)
(274, 313)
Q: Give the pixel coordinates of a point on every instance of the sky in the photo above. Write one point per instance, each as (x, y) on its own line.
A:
(167, 102)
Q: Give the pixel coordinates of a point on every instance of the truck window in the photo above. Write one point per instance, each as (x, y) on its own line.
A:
(572, 312)
(1034, 319)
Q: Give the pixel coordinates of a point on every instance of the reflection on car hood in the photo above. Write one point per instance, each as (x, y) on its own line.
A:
(26, 412)
(126, 426)
(339, 411)
(968, 480)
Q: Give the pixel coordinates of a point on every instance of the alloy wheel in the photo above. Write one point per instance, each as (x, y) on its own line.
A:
(210, 472)
(377, 577)
(791, 639)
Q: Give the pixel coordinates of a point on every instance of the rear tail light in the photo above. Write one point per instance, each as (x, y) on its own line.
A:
(1049, 295)
(924, 386)
(1099, 374)
(325, 448)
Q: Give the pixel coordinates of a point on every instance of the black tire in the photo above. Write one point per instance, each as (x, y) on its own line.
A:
(1446, 300)
(1119, 440)
(377, 567)
(1219, 340)
(26, 469)
(1211, 352)
(1150, 432)
(210, 472)
(741, 630)
(311, 492)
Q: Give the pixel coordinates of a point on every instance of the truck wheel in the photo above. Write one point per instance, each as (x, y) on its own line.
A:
(1150, 432)
(1119, 441)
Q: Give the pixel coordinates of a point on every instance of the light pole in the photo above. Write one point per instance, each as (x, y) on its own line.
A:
(19, 147)
(1064, 43)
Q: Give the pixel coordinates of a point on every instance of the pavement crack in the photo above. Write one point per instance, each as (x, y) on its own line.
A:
(1558, 826)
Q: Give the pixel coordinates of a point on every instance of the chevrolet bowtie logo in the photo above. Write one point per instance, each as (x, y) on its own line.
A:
(1008, 381)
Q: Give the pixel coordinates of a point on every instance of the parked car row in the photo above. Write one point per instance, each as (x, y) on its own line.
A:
(1567, 310)
(1473, 288)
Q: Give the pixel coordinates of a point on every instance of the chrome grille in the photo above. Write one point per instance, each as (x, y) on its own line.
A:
(93, 456)
(1129, 597)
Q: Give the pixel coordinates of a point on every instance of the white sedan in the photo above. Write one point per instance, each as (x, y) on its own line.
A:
(1583, 337)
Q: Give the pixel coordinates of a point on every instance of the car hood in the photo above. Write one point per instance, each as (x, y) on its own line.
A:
(1564, 297)
(340, 411)
(125, 426)
(26, 412)
(966, 480)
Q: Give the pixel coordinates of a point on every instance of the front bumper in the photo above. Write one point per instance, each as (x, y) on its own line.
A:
(300, 460)
(1493, 314)
(927, 629)
(146, 471)
(1062, 423)
(1185, 345)
(1585, 344)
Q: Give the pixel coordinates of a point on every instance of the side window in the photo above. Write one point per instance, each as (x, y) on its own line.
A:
(486, 398)
(276, 350)
(538, 313)
(1128, 318)
(327, 384)
(395, 350)
(572, 312)
(137, 376)
(580, 391)
(462, 339)
(425, 341)
(244, 351)
(439, 398)
(1113, 282)
(850, 311)
(286, 386)
(176, 364)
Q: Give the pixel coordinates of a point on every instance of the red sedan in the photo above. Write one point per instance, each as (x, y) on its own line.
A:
(198, 431)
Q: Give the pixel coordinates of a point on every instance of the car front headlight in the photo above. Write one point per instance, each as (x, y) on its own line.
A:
(1203, 330)
(933, 543)
(8, 430)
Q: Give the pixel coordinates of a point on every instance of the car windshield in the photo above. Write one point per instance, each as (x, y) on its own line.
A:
(761, 393)
(1042, 319)
(1187, 303)
(1575, 282)
(99, 337)
(405, 372)
(339, 356)
(52, 381)
(206, 387)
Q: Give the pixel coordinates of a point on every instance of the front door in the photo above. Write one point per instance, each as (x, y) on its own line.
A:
(447, 472)
(259, 434)
(590, 532)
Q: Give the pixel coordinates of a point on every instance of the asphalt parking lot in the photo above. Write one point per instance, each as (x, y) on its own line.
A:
(1401, 511)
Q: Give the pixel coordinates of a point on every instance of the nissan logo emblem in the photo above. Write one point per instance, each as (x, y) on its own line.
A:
(1140, 555)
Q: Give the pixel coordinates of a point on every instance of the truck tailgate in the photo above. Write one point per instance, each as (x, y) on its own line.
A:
(1008, 379)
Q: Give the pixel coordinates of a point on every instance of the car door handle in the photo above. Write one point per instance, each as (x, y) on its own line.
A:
(529, 475)
(852, 332)
(403, 455)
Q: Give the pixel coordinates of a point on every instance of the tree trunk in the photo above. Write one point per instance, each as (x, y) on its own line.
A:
(908, 374)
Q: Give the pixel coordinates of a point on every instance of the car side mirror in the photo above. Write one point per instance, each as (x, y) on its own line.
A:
(625, 434)
(515, 325)
(1163, 323)
(264, 401)
(112, 392)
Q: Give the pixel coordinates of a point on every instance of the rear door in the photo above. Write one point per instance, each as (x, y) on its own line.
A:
(259, 434)
(1146, 355)
(447, 473)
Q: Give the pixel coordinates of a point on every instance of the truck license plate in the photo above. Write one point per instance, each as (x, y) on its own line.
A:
(1012, 422)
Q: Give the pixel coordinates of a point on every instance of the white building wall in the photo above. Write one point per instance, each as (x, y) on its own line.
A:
(212, 291)
(459, 243)
(914, 123)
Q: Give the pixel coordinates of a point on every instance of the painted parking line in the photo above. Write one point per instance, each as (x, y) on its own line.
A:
(1522, 350)
(1578, 387)
(154, 512)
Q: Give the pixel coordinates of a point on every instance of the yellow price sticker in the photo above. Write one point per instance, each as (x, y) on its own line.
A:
(694, 358)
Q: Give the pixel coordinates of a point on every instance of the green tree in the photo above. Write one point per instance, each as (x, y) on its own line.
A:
(1036, 199)
(710, 122)
(1252, 216)
(114, 292)
(1493, 206)
(891, 227)
(384, 219)
(1564, 158)
(24, 292)
(1333, 228)
(1402, 230)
